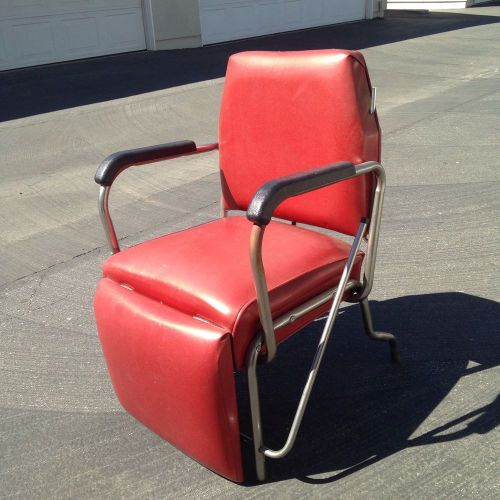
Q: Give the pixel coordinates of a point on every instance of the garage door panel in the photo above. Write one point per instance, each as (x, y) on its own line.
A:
(345, 11)
(293, 14)
(215, 19)
(270, 14)
(31, 39)
(78, 35)
(222, 20)
(68, 29)
(241, 16)
(316, 14)
(68, 6)
(23, 8)
(122, 30)
(3, 53)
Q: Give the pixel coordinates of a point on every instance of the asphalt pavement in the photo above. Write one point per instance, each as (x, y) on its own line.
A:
(427, 429)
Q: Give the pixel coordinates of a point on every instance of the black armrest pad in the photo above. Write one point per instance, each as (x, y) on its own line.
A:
(273, 192)
(116, 162)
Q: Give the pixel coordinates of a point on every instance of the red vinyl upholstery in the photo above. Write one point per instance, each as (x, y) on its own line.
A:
(205, 272)
(177, 314)
(173, 373)
(284, 112)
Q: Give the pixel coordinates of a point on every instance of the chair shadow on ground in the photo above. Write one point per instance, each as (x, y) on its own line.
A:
(363, 408)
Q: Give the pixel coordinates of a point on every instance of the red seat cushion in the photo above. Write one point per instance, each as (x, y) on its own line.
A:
(205, 272)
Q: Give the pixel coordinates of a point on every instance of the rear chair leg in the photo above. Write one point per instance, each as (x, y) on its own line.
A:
(381, 336)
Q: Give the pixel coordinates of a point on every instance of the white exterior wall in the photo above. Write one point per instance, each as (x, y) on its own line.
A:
(45, 31)
(224, 20)
(431, 4)
(172, 24)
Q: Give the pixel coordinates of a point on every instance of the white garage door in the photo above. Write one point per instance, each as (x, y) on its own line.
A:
(43, 31)
(223, 20)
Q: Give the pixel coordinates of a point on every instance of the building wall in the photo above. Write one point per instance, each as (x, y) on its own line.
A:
(378, 8)
(176, 24)
(173, 24)
(431, 4)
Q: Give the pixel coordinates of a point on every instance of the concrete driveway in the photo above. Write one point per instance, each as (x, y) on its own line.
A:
(426, 429)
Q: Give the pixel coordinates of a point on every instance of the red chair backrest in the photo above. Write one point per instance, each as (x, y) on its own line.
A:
(284, 112)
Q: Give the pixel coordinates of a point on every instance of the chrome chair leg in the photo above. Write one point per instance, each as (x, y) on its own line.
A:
(380, 336)
(253, 392)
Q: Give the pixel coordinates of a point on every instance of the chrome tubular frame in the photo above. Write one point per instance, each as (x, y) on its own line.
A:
(311, 305)
(103, 199)
(375, 220)
(327, 330)
(373, 104)
(259, 449)
(259, 277)
(359, 292)
(106, 221)
(253, 394)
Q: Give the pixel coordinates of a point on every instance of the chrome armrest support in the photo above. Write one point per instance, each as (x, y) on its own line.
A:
(259, 276)
(374, 229)
(103, 199)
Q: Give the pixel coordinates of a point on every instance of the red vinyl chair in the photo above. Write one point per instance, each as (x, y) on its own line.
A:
(178, 315)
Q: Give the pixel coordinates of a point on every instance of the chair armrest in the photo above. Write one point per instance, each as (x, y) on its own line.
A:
(274, 192)
(115, 163)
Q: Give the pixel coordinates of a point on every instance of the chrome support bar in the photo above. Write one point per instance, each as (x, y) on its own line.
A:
(105, 216)
(260, 283)
(374, 231)
(311, 305)
(259, 449)
(253, 394)
(373, 104)
(222, 211)
(321, 348)
(204, 148)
